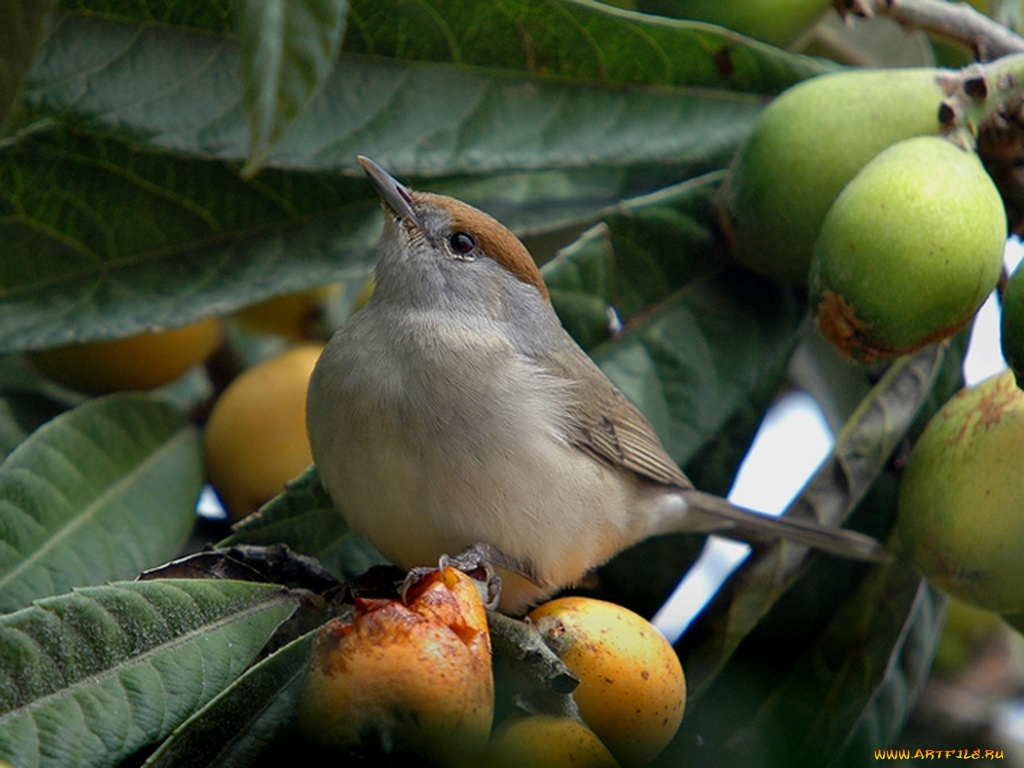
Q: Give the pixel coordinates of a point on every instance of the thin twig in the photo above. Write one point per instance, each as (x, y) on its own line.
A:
(955, 21)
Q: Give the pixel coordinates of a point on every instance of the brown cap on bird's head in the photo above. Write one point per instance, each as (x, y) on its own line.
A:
(492, 237)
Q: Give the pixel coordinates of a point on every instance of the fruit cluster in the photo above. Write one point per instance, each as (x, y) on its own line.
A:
(414, 676)
(846, 184)
(857, 185)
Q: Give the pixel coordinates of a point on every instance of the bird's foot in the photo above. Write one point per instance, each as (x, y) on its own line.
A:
(478, 562)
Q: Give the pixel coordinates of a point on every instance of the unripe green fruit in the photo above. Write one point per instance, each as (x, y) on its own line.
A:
(1012, 323)
(779, 22)
(804, 149)
(909, 250)
(960, 518)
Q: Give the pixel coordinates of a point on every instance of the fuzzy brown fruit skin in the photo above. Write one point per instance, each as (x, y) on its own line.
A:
(412, 676)
(632, 691)
(804, 149)
(145, 361)
(255, 438)
(960, 518)
(909, 250)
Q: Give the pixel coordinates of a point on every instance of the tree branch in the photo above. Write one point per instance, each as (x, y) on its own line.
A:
(955, 21)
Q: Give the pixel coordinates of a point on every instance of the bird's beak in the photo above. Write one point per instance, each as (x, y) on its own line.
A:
(394, 194)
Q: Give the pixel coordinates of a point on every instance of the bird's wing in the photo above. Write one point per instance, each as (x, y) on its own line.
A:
(612, 430)
(605, 425)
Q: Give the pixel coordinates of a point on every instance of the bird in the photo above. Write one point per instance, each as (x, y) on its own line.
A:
(453, 410)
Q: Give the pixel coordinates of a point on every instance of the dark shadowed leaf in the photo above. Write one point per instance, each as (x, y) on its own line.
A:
(22, 27)
(853, 689)
(305, 519)
(861, 452)
(643, 250)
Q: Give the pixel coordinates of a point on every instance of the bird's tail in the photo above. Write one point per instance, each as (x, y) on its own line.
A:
(747, 525)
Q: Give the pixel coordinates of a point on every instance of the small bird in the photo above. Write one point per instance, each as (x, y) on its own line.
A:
(454, 410)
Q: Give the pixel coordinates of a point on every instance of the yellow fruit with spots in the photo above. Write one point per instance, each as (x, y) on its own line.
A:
(632, 691)
(255, 438)
(145, 361)
(526, 741)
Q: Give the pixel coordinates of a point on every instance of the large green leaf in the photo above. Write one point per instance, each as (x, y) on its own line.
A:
(122, 240)
(574, 39)
(98, 493)
(100, 222)
(252, 715)
(288, 47)
(566, 39)
(185, 93)
(852, 691)
(88, 679)
(127, 241)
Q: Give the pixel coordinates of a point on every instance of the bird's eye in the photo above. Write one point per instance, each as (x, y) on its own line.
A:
(461, 243)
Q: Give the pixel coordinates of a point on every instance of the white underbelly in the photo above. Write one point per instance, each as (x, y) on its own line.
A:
(432, 466)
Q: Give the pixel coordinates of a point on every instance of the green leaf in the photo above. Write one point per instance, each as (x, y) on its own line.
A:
(691, 363)
(305, 519)
(257, 710)
(860, 454)
(417, 118)
(123, 239)
(89, 678)
(643, 250)
(98, 493)
(852, 691)
(162, 260)
(566, 39)
(211, 15)
(128, 241)
(288, 47)
(22, 27)
(574, 40)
